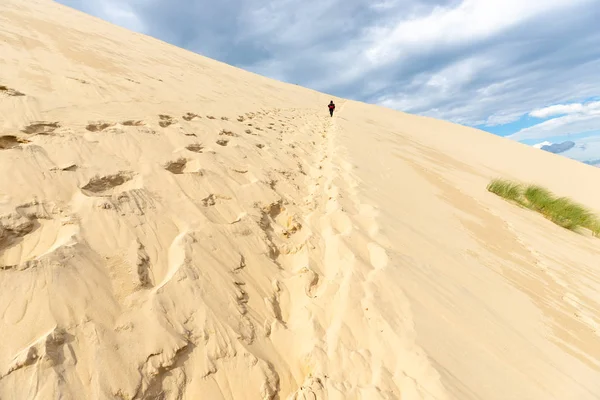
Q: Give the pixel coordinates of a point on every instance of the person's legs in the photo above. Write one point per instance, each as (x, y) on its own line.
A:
(331, 112)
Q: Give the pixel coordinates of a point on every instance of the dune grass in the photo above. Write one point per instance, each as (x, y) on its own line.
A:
(560, 210)
(508, 190)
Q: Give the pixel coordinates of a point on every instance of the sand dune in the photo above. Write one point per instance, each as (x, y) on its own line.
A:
(172, 227)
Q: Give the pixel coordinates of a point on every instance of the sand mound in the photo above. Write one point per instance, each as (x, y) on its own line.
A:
(174, 228)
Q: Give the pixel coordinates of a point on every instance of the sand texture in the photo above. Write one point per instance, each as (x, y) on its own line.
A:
(172, 227)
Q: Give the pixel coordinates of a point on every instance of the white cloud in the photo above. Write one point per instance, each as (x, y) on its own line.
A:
(471, 21)
(570, 124)
(579, 118)
(542, 144)
(561, 109)
(558, 109)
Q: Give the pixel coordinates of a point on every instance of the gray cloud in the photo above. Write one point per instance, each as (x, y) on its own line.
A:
(557, 148)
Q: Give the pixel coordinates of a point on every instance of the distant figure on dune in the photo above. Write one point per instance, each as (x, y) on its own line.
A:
(331, 108)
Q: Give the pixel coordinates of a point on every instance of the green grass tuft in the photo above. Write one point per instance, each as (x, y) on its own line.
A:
(538, 198)
(508, 190)
(562, 210)
(568, 214)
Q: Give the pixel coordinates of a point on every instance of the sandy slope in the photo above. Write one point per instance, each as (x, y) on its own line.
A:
(150, 251)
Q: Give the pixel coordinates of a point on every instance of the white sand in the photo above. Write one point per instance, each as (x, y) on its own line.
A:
(307, 257)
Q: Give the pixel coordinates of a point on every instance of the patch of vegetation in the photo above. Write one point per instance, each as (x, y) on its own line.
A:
(560, 210)
(508, 190)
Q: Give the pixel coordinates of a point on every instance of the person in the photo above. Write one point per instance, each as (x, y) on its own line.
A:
(331, 108)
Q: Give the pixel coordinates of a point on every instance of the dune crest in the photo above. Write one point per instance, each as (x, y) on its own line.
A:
(172, 227)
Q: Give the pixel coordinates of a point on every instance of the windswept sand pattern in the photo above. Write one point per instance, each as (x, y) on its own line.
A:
(259, 210)
(192, 238)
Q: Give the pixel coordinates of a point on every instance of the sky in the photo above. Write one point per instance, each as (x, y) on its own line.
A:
(525, 69)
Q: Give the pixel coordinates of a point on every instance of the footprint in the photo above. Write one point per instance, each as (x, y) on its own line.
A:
(227, 133)
(98, 185)
(176, 167)
(210, 117)
(222, 142)
(225, 118)
(165, 120)
(312, 280)
(13, 227)
(211, 199)
(10, 142)
(241, 118)
(141, 263)
(48, 348)
(99, 126)
(378, 256)
(68, 167)
(30, 231)
(190, 116)
(128, 202)
(274, 303)
(132, 123)
(260, 145)
(312, 388)
(10, 92)
(195, 147)
(41, 128)
(301, 168)
(79, 80)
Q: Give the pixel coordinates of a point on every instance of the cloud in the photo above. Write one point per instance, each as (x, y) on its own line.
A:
(475, 62)
(557, 148)
(542, 144)
(585, 149)
(454, 26)
(561, 109)
(576, 118)
(557, 109)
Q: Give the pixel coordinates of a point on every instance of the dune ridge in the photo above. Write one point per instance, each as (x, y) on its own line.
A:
(172, 227)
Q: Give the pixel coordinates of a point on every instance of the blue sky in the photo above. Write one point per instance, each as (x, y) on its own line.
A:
(526, 69)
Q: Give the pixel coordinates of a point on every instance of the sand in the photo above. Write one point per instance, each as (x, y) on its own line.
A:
(172, 227)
